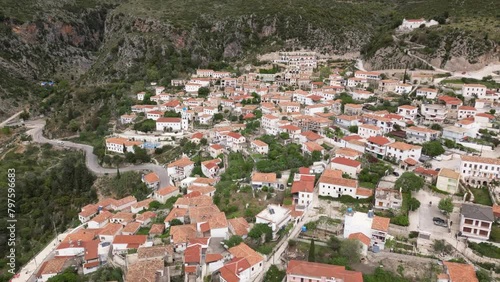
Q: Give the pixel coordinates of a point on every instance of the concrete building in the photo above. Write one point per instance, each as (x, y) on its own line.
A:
(448, 180)
(476, 221)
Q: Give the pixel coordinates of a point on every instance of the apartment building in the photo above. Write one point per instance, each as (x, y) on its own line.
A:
(388, 199)
(401, 151)
(417, 134)
(478, 171)
(476, 221)
(433, 113)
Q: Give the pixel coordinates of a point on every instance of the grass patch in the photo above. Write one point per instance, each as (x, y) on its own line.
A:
(486, 249)
(487, 83)
(481, 196)
(368, 185)
(495, 233)
(143, 231)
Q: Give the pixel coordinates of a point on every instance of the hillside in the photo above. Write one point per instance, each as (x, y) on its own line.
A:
(99, 42)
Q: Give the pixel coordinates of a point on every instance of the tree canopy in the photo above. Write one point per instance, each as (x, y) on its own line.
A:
(432, 148)
(446, 205)
(409, 181)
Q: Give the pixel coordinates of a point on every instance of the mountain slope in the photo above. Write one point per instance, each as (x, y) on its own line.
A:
(101, 41)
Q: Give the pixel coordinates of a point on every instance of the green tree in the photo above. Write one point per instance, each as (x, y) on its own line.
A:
(483, 275)
(175, 222)
(68, 275)
(154, 205)
(436, 126)
(234, 240)
(203, 141)
(409, 181)
(350, 249)
(146, 126)
(316, 156)
(259, 229)
(203, 91)
(274, 274)
(432, 148)
(24, 115)
(284, 135)
(353, 129)
(413, 204)
(138, 86)
(312, 252)
(440, 246)
(446, 205)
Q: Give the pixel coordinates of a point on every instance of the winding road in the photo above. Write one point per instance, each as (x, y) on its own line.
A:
(91, 160)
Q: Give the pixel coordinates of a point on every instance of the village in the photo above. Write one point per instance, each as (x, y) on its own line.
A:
(300, 150)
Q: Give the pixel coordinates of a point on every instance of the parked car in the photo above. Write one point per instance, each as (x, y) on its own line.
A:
(395, 173)
(439, 221)
(438, 169)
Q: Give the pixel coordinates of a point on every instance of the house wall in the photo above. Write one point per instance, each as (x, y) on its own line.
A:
(326, 189)
(447, 184)
(220, 232)
(475, 228)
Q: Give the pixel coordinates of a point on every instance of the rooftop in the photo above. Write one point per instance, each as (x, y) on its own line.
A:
(319, 270)
(479, 212)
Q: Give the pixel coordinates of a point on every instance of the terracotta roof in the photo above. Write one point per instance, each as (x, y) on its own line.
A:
(132, 227)
(369, 126)
(192, 254)
(204, 180)
(410, 161)
(216, 147)
(143, 204)
(111, 229)
(125, 216)
(476, 159)
(311, 136)
(52, 266)
(496, 210)
(402, 146)
(169, 119)
(130, 239)
(201, 189)
(239, 225)
(304, 170)
(318, 270)
(154, 251)
(460, 272)
(360, 237)
(123, 201)
(313, 146)
(379, 140)
(345, 161)
(264, 177)
(144, 216)
(244, 251)
(421, 129)
(213, 257)
(259, 143)
(122, 141)
(339, 181)
(234, 135)
(175, 213)
(166, 190)
(102, 216)
(305, 184)
(157, 228)
(364, 192)
(197, 135)
(347, 152)
(466, 108)
(144, 271)
(381, 223)
(474, 85)
(182, 233)
(229, 272)
(182, 162)
(449, 173)
(489, 116)
(423, 171)
(407, 107)
(200, 201)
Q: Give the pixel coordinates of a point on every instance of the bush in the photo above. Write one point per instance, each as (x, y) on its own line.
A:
(486, 249)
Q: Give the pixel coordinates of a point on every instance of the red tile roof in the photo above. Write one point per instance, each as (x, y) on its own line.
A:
(318, 270)
(379, 140)
(345, 161)
(360, 237)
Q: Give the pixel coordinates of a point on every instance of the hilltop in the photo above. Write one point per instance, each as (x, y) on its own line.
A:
(102, 41)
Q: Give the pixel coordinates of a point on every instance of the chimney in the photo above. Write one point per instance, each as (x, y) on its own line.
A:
(370, 214)
(79, 243)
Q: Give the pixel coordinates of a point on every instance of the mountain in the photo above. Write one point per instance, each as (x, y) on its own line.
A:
(93, 43)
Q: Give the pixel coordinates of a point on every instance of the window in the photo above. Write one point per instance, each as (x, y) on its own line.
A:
(467, 229)
(485, 224)
(469, 221)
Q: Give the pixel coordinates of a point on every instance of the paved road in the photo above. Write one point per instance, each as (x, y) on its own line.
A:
(91, 160)
(27, 272)
(3, 123)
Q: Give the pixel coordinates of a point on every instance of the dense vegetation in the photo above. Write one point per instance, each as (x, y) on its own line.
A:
(51, 187)
(281, 157)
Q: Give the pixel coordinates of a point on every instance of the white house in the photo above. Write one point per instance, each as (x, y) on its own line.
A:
(479, 170)
(474, 91)
(377, 145)
(428, 93)
(476, 221)
(270, 124)
(180, 168)
(348, 166)
(332, 184)
(154, 115)
(121, 145)
(418, 134)
(369, 130)
(403, 88)
(169, 123)
(192, 87)
(141, 95)
(163, 194)
(123, 243)
(374, 75)
(359, 94)
(374, 227)
(401, 151)
(408, 112)
(260, 180)
(51, 268)
(210, 168)
(259, 147)
(274, 216)
(235, 141)
(126, 119)
(411, 24)
(448, 180)
(466, 112)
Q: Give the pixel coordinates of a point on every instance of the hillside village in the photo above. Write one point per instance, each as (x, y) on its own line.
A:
(296, 148)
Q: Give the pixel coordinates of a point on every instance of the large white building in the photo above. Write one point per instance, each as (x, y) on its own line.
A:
(121, 145)
(411, 24)
(171, 123)
(275, 216)
(401, 151)
(374, 227)
(478, 170)
(474, 91)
